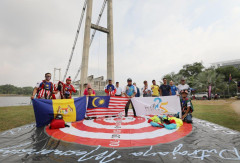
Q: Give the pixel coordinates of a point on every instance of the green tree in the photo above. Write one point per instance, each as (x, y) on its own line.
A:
(227, 70)
(174, 77)
(190, 71)
(207, 77)
(235, 75)
(11, 89)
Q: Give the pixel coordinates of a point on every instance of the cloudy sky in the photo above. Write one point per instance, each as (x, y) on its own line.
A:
(151, 37)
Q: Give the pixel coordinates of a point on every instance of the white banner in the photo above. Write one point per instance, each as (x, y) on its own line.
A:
(157, 105)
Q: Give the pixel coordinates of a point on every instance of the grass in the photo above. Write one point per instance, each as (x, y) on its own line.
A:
(15, 116)
(219, 112)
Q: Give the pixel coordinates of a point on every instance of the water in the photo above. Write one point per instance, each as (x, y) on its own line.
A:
(14, 101)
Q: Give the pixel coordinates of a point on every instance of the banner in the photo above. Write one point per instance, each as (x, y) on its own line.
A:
(105, 105)
(157, 105)
(71, 109)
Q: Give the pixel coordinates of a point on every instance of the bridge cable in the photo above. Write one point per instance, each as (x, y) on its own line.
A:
(92, 37)
(76, 38)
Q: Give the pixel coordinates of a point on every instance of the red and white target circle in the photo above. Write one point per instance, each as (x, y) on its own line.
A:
(134, 132)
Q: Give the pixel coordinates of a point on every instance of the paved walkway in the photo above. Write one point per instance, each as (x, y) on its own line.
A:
(236, 106)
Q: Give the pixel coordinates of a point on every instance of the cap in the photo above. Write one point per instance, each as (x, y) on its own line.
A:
(129, 79)
(182, 78)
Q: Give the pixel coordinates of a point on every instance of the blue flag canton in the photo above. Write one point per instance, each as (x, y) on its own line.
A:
(98, 102)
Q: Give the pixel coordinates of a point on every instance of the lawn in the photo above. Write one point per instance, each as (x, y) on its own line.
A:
(15, 116)
(219, 112)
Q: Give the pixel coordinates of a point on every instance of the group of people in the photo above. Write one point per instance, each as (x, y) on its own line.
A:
(131, 90)
(146, 90)
(47, 90)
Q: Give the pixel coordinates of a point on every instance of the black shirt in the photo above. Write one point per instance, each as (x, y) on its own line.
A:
(165, 90)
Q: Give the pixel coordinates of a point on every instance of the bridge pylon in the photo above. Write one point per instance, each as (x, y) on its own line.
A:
(86, 43)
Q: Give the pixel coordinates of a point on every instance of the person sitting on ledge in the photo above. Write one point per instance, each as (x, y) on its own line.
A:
(186, 106)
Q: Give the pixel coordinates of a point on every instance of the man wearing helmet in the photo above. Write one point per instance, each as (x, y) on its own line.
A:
(68, 89)
(44, 89)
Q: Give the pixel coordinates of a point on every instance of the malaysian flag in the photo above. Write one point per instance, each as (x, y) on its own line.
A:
(105, 105)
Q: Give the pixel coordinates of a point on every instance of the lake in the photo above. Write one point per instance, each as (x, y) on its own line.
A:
(14, 101)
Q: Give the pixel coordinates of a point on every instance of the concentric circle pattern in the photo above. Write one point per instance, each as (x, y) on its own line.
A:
(118, 132)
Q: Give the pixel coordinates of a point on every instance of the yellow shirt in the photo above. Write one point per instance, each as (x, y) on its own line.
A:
(155, 89)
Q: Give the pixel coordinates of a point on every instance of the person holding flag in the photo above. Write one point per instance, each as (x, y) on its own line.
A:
(110, 89)
(44, 89)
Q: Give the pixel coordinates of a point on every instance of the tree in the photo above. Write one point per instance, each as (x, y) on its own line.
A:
(207, 77)
(227, 70)
(11, 89)
(235, 75)
(174, 77)
(191, 70)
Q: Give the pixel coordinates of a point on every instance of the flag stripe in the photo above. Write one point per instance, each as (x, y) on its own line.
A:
(114, 106)
(112, 110)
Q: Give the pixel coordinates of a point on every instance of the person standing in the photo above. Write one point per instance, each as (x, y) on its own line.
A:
(129, 91)
(165, 89)
(110, 89)
(155, 89)
(183, 86)
(119, 90)
(90, 92)
(138, 91)
(173, 88)
(146, 91)
(44, 89)
(68, 89)
(86, 90)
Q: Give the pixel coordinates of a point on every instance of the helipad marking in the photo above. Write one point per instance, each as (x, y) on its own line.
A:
(73, 131)
(110, 136)
(91, 123)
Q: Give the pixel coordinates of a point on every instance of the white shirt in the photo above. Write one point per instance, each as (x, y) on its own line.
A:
(119, 91)
(181, 87)
(146, 90)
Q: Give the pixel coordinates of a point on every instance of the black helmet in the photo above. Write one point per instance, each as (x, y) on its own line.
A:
(129, 79)
(59, 116)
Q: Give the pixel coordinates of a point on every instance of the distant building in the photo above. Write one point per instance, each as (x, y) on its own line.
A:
(97, 84)
(235, 63)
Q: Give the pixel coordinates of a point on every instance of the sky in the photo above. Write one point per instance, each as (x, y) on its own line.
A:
(151, 37)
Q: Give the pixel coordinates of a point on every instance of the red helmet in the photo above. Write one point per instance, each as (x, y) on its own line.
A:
(69, 78)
